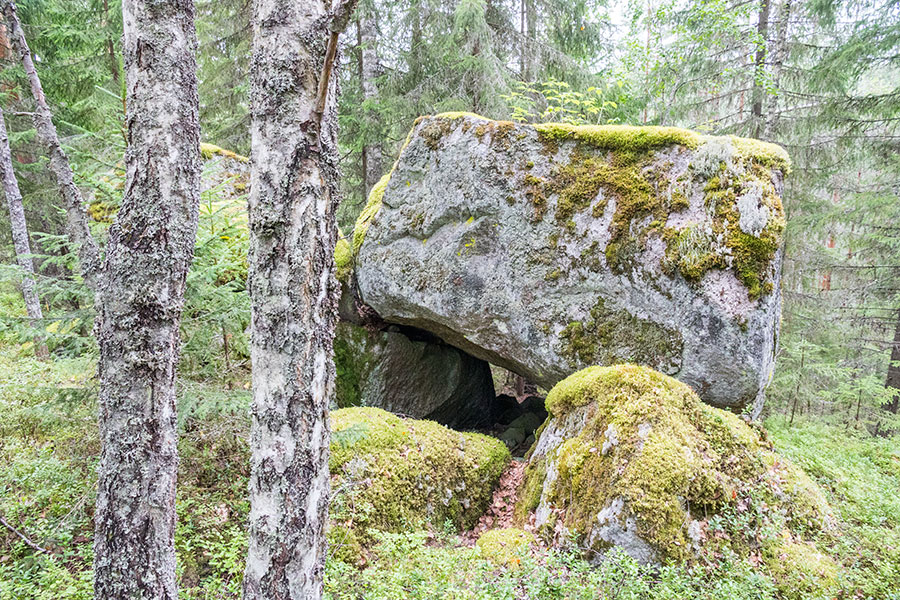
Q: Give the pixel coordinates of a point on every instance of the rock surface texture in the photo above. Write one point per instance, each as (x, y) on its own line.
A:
(420, 378)
(547, 248)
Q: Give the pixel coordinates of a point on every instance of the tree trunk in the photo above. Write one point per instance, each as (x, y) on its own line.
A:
(76, 219)
(368, 72)
(140, 299)
(20, 236)
(759, 92)
(779, 55)
(893, 373)
(293, 290)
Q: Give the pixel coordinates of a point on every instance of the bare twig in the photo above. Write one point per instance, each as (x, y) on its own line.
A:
(23, 537)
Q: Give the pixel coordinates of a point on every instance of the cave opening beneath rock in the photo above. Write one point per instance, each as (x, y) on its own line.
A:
(414, 373)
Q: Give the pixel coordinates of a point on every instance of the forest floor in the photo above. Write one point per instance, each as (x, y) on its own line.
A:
(48, 454)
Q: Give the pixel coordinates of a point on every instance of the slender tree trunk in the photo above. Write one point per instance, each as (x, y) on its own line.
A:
(759, 92)
(779, 55)
(893, 373)
(293, 290)
(530, 43)
(76, 218)
(20, 236)
(141, 296)
(368, 72)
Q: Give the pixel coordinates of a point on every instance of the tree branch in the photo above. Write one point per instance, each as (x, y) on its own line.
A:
(22, 536)
(337, 22)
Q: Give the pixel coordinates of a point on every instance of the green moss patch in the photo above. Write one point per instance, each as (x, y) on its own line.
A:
(611, 336)
(343, 258)
(209, 151)
(697, 480)
(504, 547)
(373, 205)
(400, 474)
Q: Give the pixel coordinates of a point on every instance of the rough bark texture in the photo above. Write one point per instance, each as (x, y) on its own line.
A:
(893, 374)
(293, 298)
(140, 298)
(76, 219)
(368, 72)
(20, 234)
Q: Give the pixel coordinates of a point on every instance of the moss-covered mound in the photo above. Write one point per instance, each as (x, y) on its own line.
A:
(632, 458)
(394, 474)
(504, 547)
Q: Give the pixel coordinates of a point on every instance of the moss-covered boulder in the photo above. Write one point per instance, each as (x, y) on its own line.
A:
(632, 458)
(411, 373)
(395, 474)
(547, 248)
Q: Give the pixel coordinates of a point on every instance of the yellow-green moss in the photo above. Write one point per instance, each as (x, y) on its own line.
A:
(373, 205)
(618, 137)
(801, 572)
(504, 547)
(343, 258)
(672, 459)
(406, 473)
(209, 151)
(764, 153)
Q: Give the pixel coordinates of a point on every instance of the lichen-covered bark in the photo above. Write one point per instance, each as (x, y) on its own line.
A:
(140, 298)
(294, 296)
(76, 219)
(20, 234)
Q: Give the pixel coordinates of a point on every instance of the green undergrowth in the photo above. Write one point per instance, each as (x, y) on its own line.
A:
(48, 456)
(428, 567)
(860, 476)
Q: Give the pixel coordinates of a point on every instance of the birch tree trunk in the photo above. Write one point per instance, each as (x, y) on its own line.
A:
(20, 236)
(140, 299)
(293, 290)
(76, 218)
(368, 72)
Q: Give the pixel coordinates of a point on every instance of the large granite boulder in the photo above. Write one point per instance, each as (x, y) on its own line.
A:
(631, 458)
(551, 247)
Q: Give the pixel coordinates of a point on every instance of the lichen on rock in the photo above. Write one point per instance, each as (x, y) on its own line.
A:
(395, 474)
(632, 458)
(501, 239)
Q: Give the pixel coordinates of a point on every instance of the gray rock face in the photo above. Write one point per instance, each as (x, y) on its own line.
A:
(423, 379)
(547, 248)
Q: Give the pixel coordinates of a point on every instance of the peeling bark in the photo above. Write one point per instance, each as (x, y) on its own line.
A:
(294, 293)
(140, 300)
(20, 236)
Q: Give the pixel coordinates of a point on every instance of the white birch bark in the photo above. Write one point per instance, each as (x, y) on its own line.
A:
(294, 295)
(76, 218)
(21, 242)
(140, 299)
